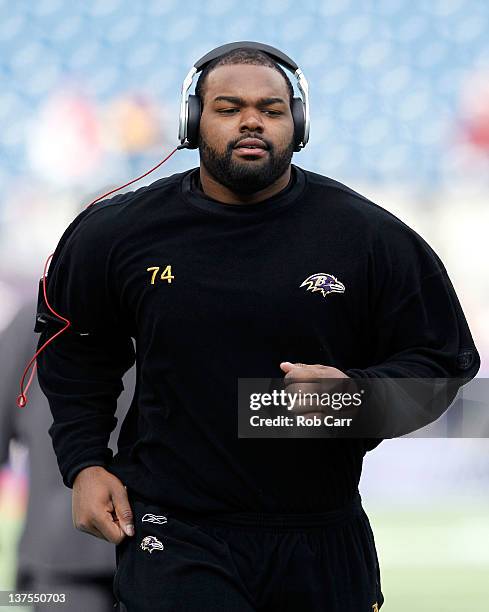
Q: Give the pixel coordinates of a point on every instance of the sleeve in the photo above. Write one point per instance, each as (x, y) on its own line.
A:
(81, 371)
(417, 327)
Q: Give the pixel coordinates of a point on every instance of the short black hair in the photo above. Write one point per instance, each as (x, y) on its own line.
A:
(243, 55)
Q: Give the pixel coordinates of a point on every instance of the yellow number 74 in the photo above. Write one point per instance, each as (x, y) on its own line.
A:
(165, 275)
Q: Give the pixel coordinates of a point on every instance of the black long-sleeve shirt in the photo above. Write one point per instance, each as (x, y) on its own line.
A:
(231, 305)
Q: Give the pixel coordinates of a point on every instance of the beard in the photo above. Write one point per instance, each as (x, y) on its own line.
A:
(245, 177)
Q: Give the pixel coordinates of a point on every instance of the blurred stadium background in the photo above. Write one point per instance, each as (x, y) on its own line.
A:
(89, 96)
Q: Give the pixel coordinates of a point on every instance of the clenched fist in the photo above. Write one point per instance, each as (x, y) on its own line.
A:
(310, 379)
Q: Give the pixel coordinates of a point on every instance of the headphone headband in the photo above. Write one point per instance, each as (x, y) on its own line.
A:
(277, 55)
(300, 107)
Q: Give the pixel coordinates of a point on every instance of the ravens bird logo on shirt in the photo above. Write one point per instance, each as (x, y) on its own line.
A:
(325, 283)
(151, 543)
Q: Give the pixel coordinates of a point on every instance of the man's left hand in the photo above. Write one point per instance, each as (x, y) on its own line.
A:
(311, 379)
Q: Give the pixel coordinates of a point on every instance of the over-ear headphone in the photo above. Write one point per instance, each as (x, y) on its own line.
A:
(191, 105)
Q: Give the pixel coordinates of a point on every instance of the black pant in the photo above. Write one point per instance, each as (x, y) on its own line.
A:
(248, 562)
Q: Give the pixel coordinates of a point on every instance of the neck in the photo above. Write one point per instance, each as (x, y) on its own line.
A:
(219, 192)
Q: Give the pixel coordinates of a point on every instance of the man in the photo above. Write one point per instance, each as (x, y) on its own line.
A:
(205, 269)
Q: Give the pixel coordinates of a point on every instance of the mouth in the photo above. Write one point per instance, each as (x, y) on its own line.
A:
(251, 147)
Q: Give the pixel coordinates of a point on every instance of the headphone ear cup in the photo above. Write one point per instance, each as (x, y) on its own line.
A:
(299, 117)
(193, 123)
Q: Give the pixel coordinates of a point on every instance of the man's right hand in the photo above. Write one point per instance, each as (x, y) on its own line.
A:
(101, 506)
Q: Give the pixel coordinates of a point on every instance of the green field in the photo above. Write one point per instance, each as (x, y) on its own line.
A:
(431, 561)
(434, 561)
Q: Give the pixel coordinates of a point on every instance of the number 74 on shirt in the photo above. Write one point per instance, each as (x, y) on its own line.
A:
(166, 275)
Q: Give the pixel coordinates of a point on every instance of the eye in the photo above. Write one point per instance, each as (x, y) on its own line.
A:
(273, 112)
(227, 110)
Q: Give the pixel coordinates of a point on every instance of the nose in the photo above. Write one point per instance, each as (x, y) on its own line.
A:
(251, 120)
